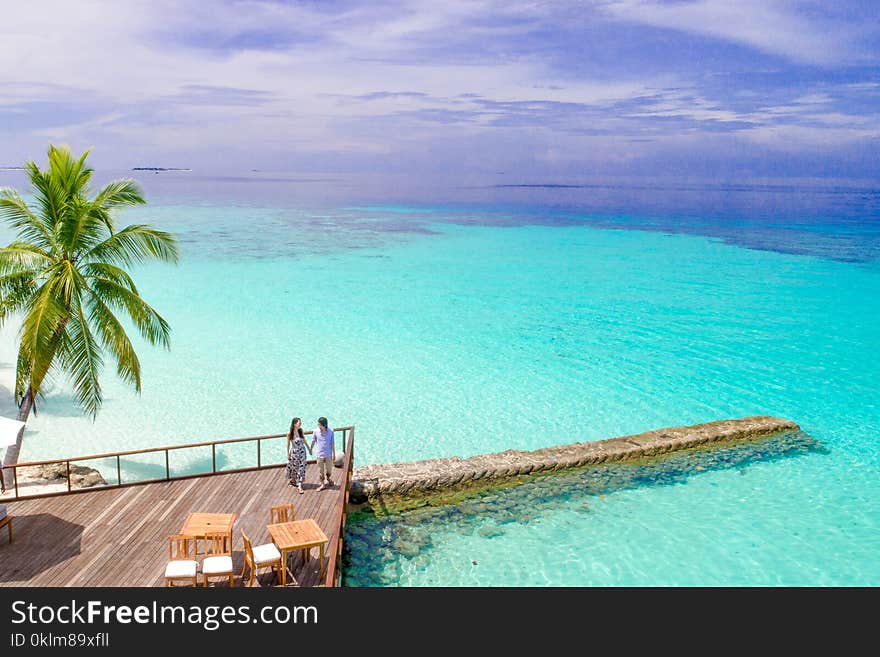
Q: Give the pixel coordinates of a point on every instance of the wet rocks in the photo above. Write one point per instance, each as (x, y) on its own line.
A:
(405, 485)
(490, 531)
(53, 473)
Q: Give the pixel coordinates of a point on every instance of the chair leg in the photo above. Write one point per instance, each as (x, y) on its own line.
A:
(231, 580)
(10, 530)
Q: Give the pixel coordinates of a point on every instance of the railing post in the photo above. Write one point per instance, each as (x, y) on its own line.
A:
(214, 458)
(118, 471)
(68, 476)
(15, 478)
(259, 462)
(334, 568)
(167, 467)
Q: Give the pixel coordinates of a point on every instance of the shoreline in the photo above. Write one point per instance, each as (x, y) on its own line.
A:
(51, 479)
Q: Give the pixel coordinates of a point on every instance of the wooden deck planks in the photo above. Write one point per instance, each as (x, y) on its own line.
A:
(119, 537)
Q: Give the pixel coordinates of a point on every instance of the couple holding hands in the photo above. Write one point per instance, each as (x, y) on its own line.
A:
(296, 453)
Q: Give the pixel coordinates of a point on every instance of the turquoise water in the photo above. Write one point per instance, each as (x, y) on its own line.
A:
(462, 329)
(619, 524)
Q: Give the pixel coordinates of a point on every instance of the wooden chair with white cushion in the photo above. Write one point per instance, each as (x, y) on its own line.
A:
(262, 556)
(182, 564)
(218, 562)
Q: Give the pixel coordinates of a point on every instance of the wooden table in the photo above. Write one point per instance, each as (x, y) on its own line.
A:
(199, 525)
(297, 535)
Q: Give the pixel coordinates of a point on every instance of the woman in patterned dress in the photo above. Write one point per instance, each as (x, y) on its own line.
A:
(296, 455)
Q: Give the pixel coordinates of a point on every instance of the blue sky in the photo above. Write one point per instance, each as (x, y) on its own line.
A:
(539, 90)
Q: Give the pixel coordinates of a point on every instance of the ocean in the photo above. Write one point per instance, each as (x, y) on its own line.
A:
(462, 317)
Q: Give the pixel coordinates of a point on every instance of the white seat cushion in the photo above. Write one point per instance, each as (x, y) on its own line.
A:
(220, 565)
(266, 554)
(2, 511)
(182, 568)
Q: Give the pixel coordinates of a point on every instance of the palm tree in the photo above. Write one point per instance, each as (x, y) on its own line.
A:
(65, 274)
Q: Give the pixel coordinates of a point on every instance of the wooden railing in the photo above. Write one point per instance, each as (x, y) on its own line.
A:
(347, 436)
(340, 511)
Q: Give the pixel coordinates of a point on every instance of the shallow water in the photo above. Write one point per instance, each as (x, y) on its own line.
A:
(615, 524)
(511, 318)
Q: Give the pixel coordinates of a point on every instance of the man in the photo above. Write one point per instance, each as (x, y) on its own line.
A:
(326, 453)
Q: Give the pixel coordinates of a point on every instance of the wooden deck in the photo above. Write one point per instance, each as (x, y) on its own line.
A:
(119, 536)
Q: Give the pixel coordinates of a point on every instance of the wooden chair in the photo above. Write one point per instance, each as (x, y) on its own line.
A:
(6, 520)
(285, 513)
(262, 556)
(281, 513)
(182, 564)
(218, 559)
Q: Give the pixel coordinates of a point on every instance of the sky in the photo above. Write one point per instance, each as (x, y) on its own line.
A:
(536, 91)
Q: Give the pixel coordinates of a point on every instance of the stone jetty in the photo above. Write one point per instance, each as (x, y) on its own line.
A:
(396, 486)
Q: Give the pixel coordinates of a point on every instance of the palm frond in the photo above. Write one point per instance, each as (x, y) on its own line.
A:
(30, 227)
(49, 196)
(104, 217)
(135, 244)
(115, 340)
(16, 289)
(71, 173)
(23, 255)
(110, 272)
(120, 193)
(21, 278)
(82, 359)
(80, 230)
(116, 194)
(149, 323)
(44, 322)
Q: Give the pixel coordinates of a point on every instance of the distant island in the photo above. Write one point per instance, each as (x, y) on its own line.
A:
(11, 168)
(158, 169)
(545, 185)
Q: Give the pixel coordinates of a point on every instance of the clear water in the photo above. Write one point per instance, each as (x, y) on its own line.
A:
(617, 524)
(469, 319)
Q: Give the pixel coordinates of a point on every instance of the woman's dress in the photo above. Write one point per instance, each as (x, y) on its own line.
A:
(296, 460)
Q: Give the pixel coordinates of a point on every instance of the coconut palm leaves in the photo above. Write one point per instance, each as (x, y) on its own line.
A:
(66, 275)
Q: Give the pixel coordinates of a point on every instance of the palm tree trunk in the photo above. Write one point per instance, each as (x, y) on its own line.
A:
(24, 409)
(12, 452)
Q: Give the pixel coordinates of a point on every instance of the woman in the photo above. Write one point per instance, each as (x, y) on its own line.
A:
(296, 455)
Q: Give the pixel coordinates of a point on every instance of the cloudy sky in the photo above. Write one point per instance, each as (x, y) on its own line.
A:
(535, 89)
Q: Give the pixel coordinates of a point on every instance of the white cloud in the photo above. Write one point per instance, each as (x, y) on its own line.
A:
(141, 53)
(801, 138)
(125, 73)
(772, 26)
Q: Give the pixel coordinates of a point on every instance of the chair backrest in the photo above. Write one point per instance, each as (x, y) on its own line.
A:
(281, 513)
(217, 543)
(248, 549)
(181, 547)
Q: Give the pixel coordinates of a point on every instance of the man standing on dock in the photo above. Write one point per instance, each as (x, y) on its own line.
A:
(326, 453)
